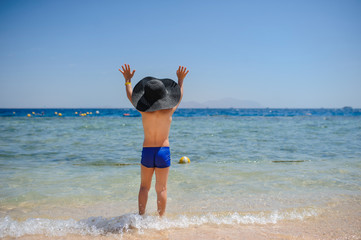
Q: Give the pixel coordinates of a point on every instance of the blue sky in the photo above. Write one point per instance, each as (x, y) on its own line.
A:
(277, 53)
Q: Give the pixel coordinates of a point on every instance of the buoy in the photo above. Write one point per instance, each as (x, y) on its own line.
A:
(76, 112)
(184, 159)
(126, 114)
(60, 114)
(29, 115)
(97, 112)
(33, 113)
(56, 113)
(91, 112)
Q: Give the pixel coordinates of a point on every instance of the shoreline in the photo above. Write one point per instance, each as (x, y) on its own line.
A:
(338, 221)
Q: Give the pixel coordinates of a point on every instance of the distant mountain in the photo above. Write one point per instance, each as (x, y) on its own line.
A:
(191, 104)
(222, 103)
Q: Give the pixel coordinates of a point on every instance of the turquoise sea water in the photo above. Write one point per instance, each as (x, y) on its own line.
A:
(74, 174)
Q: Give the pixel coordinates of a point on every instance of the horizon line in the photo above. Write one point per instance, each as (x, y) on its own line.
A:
(345, 107)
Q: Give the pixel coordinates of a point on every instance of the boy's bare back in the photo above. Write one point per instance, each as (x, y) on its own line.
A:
(156, 127)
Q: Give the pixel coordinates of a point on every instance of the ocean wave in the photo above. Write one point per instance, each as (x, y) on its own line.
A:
(96, 226)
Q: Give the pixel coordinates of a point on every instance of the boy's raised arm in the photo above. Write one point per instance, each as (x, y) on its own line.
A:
(128, 77)
(181, 74)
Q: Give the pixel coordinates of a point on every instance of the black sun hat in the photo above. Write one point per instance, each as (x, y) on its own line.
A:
(152, 94)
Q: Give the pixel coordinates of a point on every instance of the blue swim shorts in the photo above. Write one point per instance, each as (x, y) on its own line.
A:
(158, 157)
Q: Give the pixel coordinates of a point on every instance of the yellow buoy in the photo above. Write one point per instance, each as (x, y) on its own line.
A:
(29, 115)
(60, 114)
(184, 159)
(56, 113)
(33, 113)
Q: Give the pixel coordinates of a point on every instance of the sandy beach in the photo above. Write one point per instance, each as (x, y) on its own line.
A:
(337, 221)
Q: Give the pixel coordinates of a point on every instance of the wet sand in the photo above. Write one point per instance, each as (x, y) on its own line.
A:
(340, 220)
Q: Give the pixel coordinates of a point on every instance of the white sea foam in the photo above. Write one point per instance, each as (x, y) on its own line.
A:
(127, 223)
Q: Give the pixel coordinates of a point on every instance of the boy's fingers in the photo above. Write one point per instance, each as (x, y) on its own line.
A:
(123, 68)
(187, 72)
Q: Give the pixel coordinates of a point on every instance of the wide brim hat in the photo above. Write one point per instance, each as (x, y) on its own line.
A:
(153, 94)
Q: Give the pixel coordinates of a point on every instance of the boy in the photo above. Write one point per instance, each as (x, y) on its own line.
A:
(156, 100)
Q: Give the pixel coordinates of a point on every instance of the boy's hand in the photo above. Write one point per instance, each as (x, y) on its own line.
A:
(126, 72)
(182, 73)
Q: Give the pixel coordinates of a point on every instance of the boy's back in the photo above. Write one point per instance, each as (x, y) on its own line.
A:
(156, 127)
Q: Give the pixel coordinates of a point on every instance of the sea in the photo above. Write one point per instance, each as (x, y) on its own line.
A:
(77, 171)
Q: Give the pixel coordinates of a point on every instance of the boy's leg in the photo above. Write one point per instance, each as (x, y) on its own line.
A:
(161, 176)
(146, 181)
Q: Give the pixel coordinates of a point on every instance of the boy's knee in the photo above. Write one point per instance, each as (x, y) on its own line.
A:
(160, 188)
